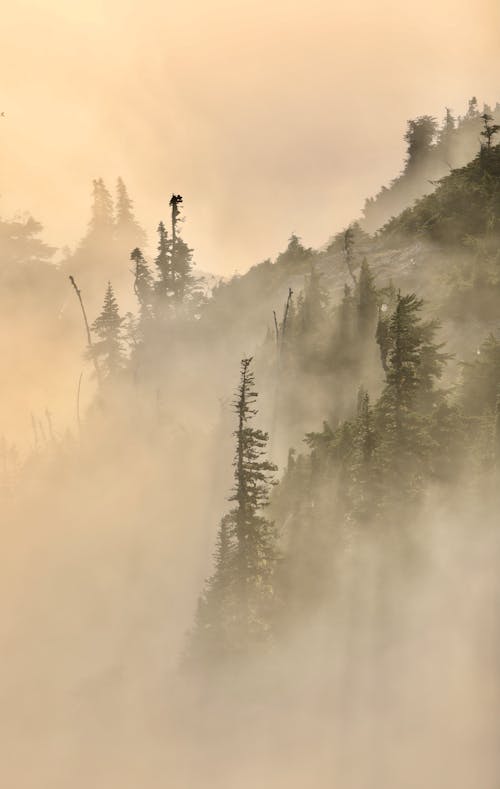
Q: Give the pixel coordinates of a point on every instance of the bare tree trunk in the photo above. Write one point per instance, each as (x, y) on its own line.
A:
(87, 328)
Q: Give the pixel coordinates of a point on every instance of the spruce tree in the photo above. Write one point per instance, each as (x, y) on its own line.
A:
(124, 214)
(414, 363)
(183, 282)
(185, 291)
(489, 129)
(97, 258)
(235, 611)
(143, 286)
(256, 551)
(212, 636)
(367, 302)
(129, 234)
(419, 137)
(363, 477)
(108, 348)
(447, 138)
(296, 254)
(163, 263)
(102, 221)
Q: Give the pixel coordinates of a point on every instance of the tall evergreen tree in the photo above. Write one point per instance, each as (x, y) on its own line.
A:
(489, 129)
(163, 263)
(101, 224)
(363, 477)
(185, 291)
(236, 608)
(96, 259)
(367, 302)
(296, 254)
(129, 234)
(256, 551)
(212, 637)
(108, 349)
(143, 287)
(414, 363)
(419, 137)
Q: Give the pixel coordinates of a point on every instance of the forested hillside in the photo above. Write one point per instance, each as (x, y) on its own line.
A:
(264, 495)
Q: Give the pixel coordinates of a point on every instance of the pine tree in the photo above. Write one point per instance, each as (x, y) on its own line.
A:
(185, 292)
(256, 550)
(128, 232)
(163, 263)
(313, 304)
(419, 137)
(212, 637)
(414, 363)
(183, 282)
(344, 347)
(446, 139)
(236, 609)
(96, 259)
(143, 287)
(349, 243)
(367, 302)
(124, 215)
(489, 129)
(472, 110)
(296, 254)
(363, 473)
(101, 224)
(108, 349)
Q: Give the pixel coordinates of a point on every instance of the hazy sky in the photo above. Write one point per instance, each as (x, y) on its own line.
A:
(269, 116)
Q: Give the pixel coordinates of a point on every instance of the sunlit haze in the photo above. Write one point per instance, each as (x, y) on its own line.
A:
(270, 117)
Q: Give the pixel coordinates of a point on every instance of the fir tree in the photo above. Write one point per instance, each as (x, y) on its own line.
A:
(256, 552)
(472, 110)
(102, 221)
(124, 215)
(143, 286)
(363, 472)
(185, 291)
(344, 348)
(489, 129)
(447, 138)
(296, 254)
(108, 349)
(236, 609)
(163, 263)
(367, 302)
(413, 364)
(212, 637)
(419, 137)
(97, 258)
(349, 240)
(183, 282)
(128, 232)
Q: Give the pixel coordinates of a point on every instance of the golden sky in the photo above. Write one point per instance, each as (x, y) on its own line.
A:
(269, 116)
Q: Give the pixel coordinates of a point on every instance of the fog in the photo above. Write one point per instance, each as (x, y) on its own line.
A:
(250, 527)
(269, 117)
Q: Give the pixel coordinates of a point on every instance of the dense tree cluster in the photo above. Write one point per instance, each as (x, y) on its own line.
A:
(346, 349)
(433, 150)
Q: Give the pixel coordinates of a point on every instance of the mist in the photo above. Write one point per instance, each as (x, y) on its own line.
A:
(270, 118)
(250, 400)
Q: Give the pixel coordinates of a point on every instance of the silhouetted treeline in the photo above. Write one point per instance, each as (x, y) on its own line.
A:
(362, 404)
